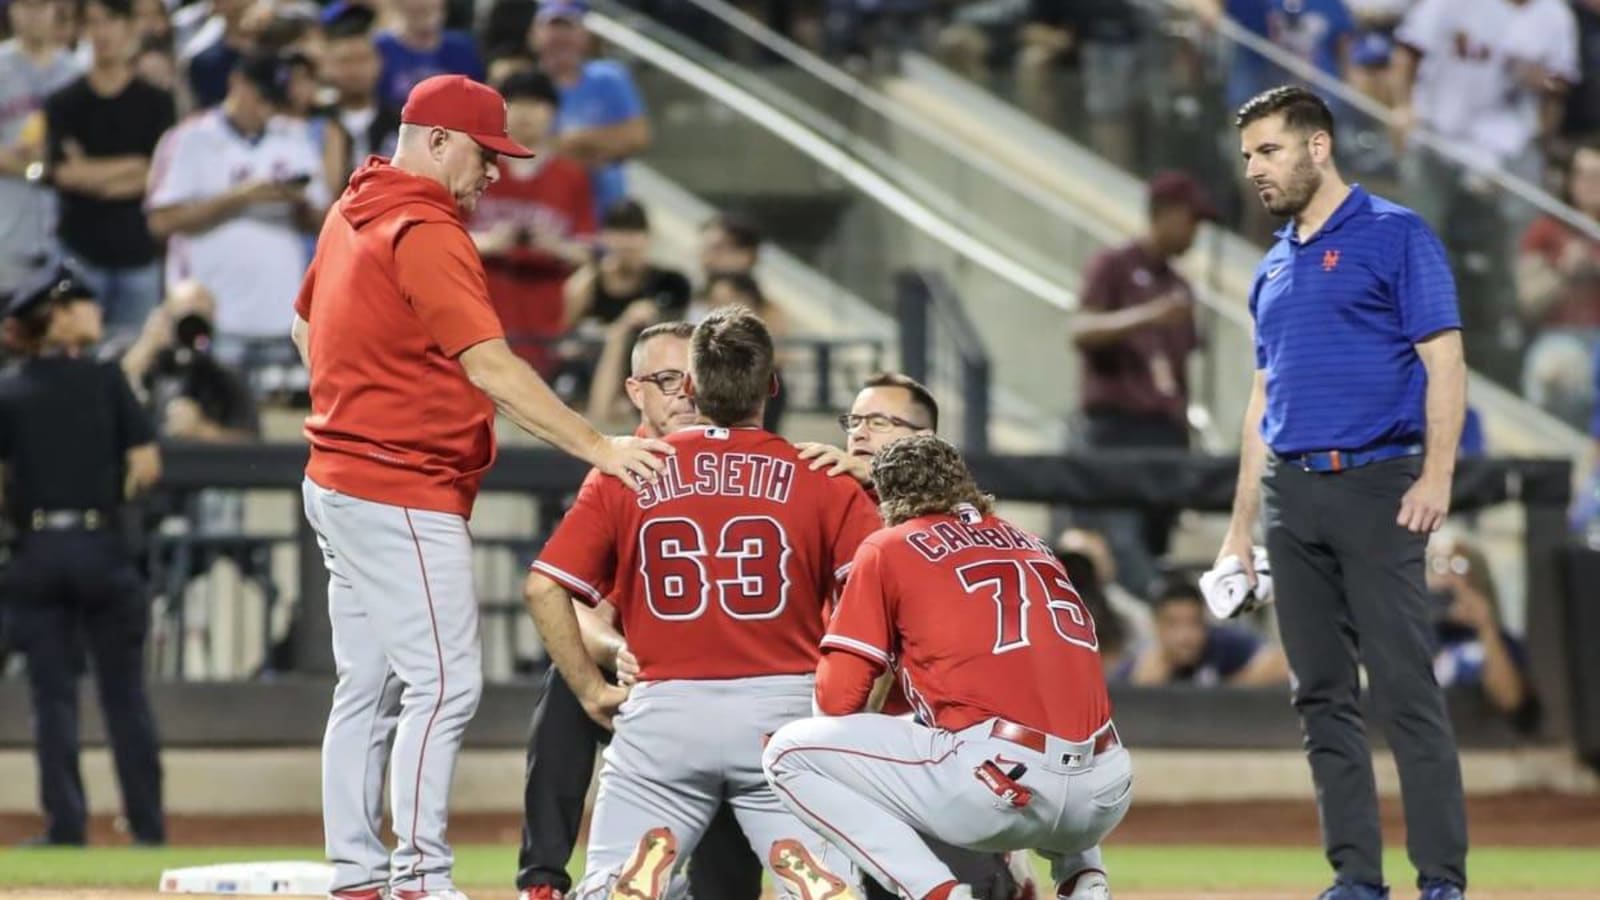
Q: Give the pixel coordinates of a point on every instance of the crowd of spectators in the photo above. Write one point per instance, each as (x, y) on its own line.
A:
(164, 149)
(182, 157)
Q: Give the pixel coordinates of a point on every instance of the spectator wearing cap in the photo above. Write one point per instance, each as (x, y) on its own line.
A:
(352, 67)
(422, 47)
(74, 444)
(33, 65)
(102, 132)
(232, 190)
(534, 226)
(210, 53)
(601, 121)
(1134, 332)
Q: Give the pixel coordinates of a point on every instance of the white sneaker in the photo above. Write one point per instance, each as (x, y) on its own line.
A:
(1090, 884)
(446, 894)
(960, 892)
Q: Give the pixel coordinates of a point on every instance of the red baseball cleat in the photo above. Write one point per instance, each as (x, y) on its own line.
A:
(540, 892)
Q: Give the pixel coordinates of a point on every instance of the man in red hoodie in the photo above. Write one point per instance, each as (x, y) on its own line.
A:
(408, 364)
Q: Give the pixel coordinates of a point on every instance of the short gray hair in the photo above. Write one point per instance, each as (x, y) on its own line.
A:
(682, 330)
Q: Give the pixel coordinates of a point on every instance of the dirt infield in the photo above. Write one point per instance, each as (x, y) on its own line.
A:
(1511, 820)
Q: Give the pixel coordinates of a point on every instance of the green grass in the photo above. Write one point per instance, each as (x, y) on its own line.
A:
(1133, 868)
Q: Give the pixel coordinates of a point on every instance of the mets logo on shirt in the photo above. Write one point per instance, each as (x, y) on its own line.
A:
(1330, 260)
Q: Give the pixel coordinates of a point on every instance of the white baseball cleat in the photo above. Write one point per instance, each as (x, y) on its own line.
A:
(648, 870)
(1090, 884)
(447, 894)
(805, 876)
(1022, 873)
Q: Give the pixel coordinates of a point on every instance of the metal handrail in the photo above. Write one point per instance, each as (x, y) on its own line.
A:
(875, 100)
(910, 206)
(925, 298)
(1328, 86)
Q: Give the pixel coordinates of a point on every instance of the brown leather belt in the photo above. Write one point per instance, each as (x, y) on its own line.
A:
(1037, 741)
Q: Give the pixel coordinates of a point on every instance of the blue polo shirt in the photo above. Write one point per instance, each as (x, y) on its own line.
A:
(1337, 320)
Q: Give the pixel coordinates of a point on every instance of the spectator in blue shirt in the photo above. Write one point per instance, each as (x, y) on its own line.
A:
(601, 120)
(422, 48)
(1349, 445)
(1317, 31)
(1186, 649)
(210, 55)
(1475, 649)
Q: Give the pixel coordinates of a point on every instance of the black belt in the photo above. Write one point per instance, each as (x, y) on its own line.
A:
(67, 520)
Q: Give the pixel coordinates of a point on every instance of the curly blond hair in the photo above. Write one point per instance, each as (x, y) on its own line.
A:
(922, 475)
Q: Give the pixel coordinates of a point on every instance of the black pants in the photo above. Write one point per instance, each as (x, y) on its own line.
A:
(561, 749)
(1349, 586)
(1138, 537)
(72, 592)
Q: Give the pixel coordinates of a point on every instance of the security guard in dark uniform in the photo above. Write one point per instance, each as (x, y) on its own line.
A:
(74, 444)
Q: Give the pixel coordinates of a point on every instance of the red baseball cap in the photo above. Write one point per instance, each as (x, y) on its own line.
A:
(460, 104)
(1174, 188)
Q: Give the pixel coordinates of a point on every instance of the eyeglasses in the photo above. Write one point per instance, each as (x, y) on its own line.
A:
(877, 423)
(1444, 565)
(667, 381)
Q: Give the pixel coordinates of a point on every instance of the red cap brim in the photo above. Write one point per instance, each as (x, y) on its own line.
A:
(502, 145)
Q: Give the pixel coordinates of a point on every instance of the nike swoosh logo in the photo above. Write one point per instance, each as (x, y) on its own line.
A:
(1273, 272)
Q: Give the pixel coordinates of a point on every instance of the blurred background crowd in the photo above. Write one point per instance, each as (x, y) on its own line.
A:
(181, 155)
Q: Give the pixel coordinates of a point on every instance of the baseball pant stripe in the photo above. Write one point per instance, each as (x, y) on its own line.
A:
(438, 650)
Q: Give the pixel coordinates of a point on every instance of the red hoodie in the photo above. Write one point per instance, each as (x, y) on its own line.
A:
(395, 293)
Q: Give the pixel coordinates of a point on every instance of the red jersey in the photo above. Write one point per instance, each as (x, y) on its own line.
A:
(983, 622)
(721, 568)
(525, 284)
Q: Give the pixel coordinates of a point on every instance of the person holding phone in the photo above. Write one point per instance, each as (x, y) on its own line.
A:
(233, 190)
(1475, 649)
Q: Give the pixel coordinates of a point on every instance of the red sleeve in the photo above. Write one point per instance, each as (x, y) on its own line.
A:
(859, 519)
(582, 555)
(1099, 291)
(442, 276)
(862, 620)
(1543, 237)
(844, 683)
(302, 300)
(583, 218)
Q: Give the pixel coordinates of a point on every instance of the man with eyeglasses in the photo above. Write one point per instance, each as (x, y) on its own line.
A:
(563, 739)
(721, 576)
(891, 406)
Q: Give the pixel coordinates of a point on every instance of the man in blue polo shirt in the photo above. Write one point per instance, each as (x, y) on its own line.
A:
(1350, 440)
